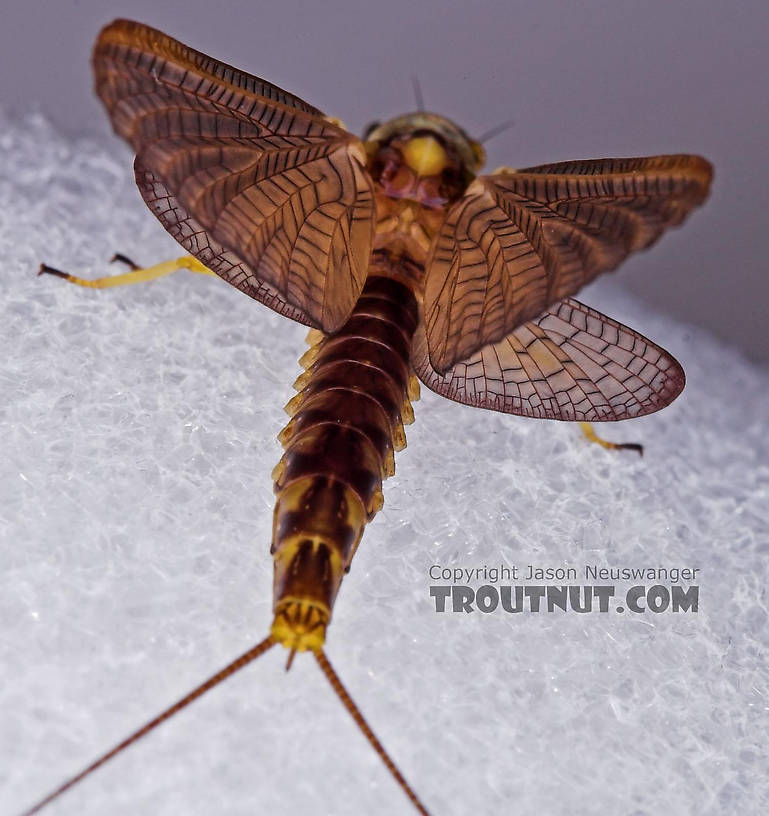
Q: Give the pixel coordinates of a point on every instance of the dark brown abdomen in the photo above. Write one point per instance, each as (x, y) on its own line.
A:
(347, 420)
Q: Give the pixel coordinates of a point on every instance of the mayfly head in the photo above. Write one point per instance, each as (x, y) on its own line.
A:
(423, 157)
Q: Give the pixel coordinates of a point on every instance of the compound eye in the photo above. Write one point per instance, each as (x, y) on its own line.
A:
(370, 127)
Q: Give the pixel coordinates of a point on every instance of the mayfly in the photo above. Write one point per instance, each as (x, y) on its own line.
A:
(407, 265)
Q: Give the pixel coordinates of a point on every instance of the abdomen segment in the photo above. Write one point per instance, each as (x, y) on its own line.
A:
(346, 422)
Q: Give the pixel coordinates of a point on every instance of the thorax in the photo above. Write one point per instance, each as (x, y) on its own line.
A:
(420, 166)
(405, 228)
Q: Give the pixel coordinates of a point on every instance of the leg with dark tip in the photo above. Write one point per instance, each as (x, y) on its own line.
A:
(592, 436)
(136, 274)
(49, 270)
(118, 257)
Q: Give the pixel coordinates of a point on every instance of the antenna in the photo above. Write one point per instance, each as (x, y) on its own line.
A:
(495, 131)
(214, 680)
(347, 702)
(418, 98)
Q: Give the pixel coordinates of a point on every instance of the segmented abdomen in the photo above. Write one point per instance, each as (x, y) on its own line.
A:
(347, 420)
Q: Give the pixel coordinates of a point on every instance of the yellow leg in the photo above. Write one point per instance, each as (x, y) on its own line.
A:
(587, 429)
(136, 275)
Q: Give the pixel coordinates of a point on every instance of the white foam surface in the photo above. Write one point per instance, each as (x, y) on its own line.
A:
(137, 429)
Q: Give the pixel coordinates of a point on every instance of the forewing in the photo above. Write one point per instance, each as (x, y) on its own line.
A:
(263, 176)
(572, 363)
(520, 241)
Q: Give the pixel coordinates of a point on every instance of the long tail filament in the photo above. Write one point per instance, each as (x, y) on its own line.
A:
(347, 702)
(238, 663)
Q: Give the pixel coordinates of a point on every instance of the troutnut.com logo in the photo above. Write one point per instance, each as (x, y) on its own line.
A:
(638, 590)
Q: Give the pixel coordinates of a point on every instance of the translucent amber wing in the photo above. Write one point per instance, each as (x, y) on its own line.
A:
(256, 172)
(572, 363)
(198, 242)
(519, 241)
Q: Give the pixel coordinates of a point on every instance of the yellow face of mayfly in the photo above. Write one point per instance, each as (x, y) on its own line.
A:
(423, 157)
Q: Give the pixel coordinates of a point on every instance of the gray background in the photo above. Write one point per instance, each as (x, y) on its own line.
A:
(580, 80)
